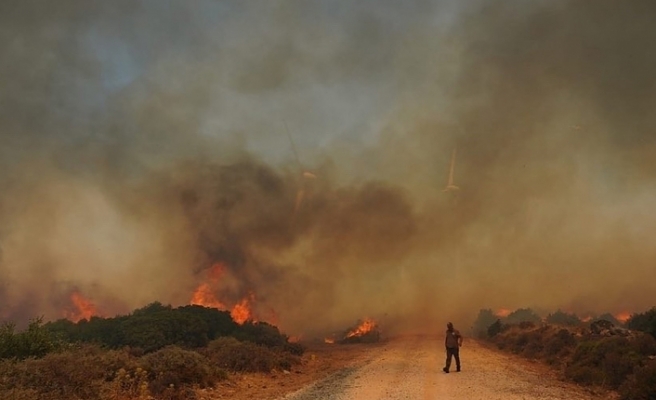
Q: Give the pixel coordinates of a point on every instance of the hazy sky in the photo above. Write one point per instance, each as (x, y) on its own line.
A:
(141, 142)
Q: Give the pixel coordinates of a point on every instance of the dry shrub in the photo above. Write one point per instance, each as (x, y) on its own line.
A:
(641, 385)
(20, 394)
(81, 373)
(559, 345)
(231, 354)
(607, 361)
(174, 372)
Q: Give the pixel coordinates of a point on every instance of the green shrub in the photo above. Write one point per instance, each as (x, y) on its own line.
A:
(560, 344)
(495, 329)
(522, 314)
(172, 370)
(641, 385)
(645, 322)
(231, 354)
(80, 373)
(611, 360)
(563, 319)
(35, 341)
(483, 321)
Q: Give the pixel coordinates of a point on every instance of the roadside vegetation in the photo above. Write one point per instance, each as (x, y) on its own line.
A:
(600, 352)
(157, 352)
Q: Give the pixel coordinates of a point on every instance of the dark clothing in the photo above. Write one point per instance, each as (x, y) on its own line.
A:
(455, 353)
(452, 343)
(452, 338)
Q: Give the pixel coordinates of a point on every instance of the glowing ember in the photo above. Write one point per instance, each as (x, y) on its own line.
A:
(502, 312)
(365, 327)
(623, 316)
(84, 309)
(329, 340)
(241, 312)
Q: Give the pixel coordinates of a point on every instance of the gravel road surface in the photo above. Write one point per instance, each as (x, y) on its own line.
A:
(411, 368)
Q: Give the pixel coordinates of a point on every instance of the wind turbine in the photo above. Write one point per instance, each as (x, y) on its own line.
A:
(305, 175)
(450, 187)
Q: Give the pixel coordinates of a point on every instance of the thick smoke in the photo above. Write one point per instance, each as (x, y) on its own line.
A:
(143, 143)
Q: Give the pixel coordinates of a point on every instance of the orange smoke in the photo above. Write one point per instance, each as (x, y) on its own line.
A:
(84, 309)
(365, 327)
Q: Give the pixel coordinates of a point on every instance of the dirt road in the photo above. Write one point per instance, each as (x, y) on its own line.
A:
(410, 368)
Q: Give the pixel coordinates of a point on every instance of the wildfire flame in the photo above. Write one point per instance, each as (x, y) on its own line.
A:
(84, 309)
(623, 316)
(329, 340)
(365, 327)
(502, 312)
(205, 295)
(241, 312)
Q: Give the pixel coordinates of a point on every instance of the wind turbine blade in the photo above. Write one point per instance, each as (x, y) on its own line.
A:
(293, 146)
(453, 166)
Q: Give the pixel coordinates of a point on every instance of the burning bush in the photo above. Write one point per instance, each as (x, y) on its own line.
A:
(365, 332)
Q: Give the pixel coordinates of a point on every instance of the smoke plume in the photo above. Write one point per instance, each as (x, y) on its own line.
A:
(142, 143)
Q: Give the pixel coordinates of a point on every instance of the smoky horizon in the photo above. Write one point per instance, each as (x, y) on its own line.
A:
(326, 162)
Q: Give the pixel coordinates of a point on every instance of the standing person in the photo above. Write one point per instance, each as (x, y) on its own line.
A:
(452, 342)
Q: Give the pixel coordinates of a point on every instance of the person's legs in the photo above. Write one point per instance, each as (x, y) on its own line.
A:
(449, 354)
(456, 355)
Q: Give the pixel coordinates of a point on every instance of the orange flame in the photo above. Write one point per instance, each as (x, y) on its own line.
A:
(623, 316)
(241, 312)
(204, 294)
(84, 309)
(365, 327)
(329, 340)
(502, 312)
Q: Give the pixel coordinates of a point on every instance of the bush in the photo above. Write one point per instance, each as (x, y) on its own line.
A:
(522, 314)
(495, 329)
(80, 373)
(641, 385)
(35, 341)
(645, 322)
(172, 370)
(231, 354)
(563, 319)
(606, 362)
(560, 344)
(483, 321)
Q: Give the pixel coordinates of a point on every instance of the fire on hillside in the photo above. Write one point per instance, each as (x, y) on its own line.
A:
(205, 295)
(366, 331)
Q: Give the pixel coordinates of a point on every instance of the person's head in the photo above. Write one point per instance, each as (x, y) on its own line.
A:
(449, 326)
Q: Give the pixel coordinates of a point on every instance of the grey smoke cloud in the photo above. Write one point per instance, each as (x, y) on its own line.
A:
(143, 142)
